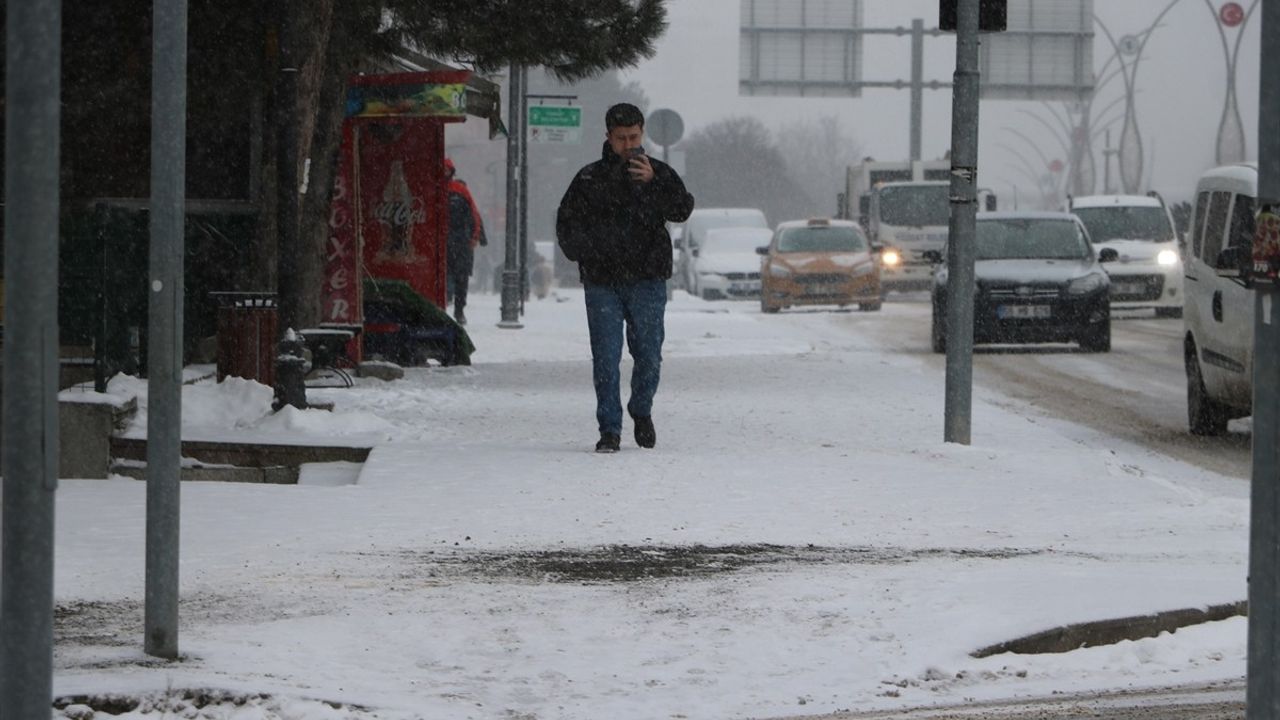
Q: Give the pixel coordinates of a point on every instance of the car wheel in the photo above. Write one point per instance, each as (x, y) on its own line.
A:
(768, 309)
(1169, 312)
(869, 306)
(1098, 339)
(1205, 416)
(938, 331)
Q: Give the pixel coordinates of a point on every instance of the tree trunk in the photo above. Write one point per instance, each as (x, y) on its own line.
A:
(339, 62)
(301, 42)
(315, 39)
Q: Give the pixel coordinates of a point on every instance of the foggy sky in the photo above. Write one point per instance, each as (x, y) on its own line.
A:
(1180, 84)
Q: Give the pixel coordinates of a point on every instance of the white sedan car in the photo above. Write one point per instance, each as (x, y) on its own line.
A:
(726, 265)
(1140, 229)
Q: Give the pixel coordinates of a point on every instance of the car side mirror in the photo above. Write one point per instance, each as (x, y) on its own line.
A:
(991, 203)
(1107, 255)
(933, 256)
(762, 250)
(1232, 261)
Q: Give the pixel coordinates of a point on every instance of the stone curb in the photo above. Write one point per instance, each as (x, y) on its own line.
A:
(1108, 632)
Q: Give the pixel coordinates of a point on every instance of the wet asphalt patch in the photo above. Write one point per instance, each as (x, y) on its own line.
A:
(634, 563)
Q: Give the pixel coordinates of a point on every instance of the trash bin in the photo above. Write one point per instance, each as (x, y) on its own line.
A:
(247, 335)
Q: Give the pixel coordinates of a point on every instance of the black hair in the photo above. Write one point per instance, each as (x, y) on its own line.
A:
(623, 115)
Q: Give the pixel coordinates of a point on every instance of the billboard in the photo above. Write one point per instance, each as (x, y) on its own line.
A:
(800, 48)
(1045, 54)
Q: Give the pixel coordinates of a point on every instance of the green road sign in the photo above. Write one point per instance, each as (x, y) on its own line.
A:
(555, 116)
(555, 124)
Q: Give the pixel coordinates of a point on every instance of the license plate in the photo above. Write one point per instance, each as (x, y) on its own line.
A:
(1021, 312)
(744, 287)
(1128, 288)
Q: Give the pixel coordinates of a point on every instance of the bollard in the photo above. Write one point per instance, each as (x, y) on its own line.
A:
(291, 370)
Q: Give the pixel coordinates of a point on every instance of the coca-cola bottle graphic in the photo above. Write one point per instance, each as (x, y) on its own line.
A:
(396, 214)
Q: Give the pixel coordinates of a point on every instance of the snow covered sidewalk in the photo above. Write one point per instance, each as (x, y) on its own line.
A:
(800, 541)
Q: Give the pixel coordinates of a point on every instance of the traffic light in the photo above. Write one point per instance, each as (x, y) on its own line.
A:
(992, 15)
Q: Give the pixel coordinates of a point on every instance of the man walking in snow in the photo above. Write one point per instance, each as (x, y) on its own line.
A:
(612, 222)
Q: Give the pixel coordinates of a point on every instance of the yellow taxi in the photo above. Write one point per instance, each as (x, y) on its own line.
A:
(818, 262)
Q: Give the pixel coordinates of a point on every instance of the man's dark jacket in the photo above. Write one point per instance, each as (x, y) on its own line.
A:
(614, 227)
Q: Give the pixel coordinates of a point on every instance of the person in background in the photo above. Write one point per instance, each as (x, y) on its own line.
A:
(612, 222)
(540, 276)
(466, 231)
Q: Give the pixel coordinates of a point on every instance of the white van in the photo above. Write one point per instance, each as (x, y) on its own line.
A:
(1218, 309)
(1148, 273)
(694, 231)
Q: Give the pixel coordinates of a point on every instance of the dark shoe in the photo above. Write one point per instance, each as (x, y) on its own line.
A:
(609, 443)
(646, 436)
(460, 317)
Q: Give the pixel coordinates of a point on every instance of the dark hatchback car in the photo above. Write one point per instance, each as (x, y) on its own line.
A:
(1038, 280)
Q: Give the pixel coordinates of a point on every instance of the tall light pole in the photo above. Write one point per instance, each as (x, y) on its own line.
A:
(33, 62)
(1230, 145)
(1263, 681)
(1131, 154)
(515, 137)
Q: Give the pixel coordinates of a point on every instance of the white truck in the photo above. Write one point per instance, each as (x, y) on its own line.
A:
(905, 211)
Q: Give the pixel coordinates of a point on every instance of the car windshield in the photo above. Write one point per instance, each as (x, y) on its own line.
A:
(915, 205)
(1025, 238)
(830, 238)
(744, 240)
(1118, 222)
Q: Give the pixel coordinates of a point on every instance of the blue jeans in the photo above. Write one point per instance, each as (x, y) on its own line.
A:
(640, 308)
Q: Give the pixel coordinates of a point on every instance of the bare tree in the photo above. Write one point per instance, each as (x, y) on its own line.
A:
(736, 163)
(817, 153)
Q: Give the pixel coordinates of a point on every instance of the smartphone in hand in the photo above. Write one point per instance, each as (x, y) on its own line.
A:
(633, 154)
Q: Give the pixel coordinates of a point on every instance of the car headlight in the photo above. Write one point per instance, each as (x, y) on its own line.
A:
(779, 271)
(863, 269)
(890, 257)
(1087, 284)
(1167, 257)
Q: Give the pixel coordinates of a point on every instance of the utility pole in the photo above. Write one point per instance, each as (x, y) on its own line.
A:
(515, 137)
(164, 353)
(917, 86)
(958, 407)
(1263, 691)
(33, 62)
(524, 186)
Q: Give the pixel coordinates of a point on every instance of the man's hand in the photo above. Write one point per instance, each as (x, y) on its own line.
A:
(640, 168)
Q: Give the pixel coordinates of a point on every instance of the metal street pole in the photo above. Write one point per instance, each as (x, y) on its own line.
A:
(510, 272)
(1263, 691)
(957, 413)
(164, 347)
(917, 86)
(33, 60)
(524, 186)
